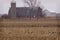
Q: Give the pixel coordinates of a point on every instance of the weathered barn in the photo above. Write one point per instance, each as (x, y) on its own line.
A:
(26, 12)
(17, 12)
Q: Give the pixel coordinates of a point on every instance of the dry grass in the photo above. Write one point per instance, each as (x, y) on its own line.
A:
(29, 33)
(29, 29)
(29, 23)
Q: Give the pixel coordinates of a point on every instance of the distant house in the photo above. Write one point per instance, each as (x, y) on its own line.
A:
(48, 13)
(17, 12)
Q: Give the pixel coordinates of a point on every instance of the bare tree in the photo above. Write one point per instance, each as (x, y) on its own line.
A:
(34, 4)
(31, 3)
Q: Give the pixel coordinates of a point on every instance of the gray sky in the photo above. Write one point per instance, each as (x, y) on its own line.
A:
(51, 5)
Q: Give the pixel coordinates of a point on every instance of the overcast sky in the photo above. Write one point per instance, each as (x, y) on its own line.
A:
(51, 5)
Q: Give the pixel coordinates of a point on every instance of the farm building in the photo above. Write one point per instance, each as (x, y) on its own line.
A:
(17, 12)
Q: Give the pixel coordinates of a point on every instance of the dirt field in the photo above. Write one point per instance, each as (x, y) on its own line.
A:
(42, 29)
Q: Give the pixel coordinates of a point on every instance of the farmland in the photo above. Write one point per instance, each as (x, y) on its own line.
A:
(19, 29)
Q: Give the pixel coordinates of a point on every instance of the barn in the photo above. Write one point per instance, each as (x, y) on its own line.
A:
(17, 12)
